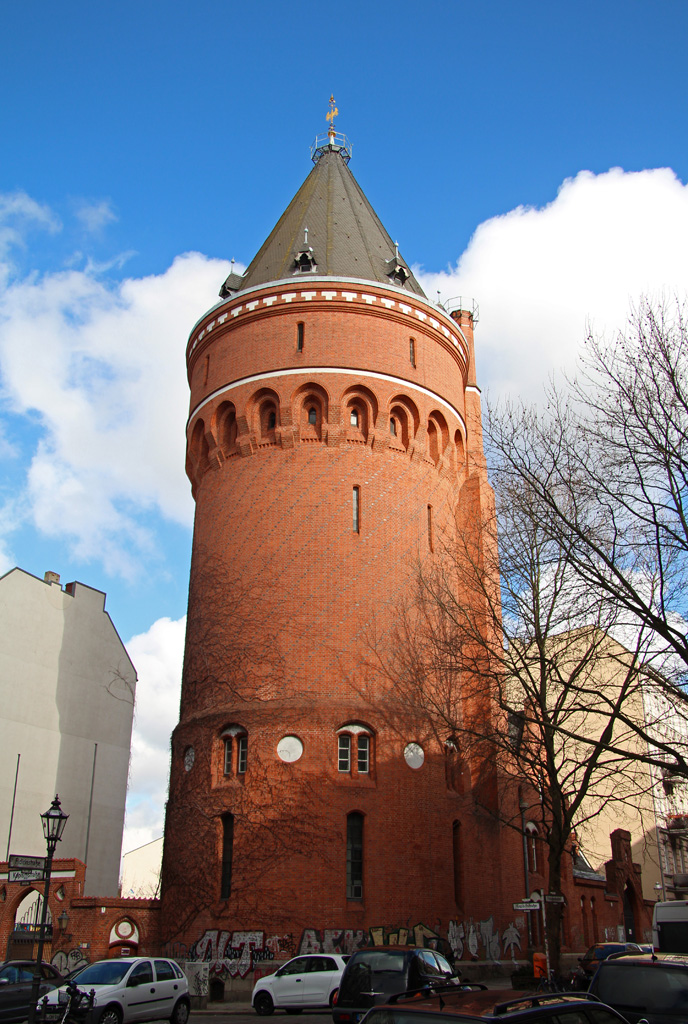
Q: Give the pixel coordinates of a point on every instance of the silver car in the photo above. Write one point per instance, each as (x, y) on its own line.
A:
(135, 989)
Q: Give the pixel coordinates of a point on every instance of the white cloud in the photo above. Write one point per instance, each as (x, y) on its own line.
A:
(157, 655)
(540, 274)
(103, 368)
(95, 216)
(19, 215)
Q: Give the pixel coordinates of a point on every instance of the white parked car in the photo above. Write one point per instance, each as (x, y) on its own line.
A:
(304, 981)
(135, 989)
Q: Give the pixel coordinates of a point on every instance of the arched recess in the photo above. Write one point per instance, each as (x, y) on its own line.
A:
(124, 938)
(360, 407)
(263, 414)
(225, 427)
(438, 436)
(404, 420)
(198, 461)
(460, 451)
(310, 405)
(28, 908)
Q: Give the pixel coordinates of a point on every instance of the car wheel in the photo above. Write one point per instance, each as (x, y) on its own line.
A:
(263, 1004)
(180, 1014)
(111, 1015)
(333, 996)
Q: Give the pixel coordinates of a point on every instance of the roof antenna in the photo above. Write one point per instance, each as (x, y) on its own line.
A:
(330, 116)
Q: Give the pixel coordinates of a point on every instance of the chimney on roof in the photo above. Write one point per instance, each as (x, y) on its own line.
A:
(52, 577)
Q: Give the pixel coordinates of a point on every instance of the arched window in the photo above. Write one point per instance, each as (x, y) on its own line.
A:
(354, 856)
(227, 851)
(354, 749)
(354, 417)
(234, 750)
(393, 426)
(312, 415)
(272, 419)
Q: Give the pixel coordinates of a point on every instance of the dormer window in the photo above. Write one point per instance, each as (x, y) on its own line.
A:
(397, 272)
(304, 261)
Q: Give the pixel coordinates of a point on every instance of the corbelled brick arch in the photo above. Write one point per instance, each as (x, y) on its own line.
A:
(334, 422)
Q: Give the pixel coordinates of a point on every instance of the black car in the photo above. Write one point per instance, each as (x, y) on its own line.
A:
(651, 987)
(374, 974)
(16, 979)
(458, 1006)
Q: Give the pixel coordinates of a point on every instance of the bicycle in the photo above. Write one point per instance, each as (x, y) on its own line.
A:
(72, 1007)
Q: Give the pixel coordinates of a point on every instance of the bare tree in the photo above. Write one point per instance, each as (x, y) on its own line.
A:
(608, 462)
(523, 685)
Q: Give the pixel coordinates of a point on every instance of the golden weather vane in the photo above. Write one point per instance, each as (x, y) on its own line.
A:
(332, 112)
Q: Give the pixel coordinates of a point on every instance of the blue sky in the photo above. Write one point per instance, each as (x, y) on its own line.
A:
(533, 155)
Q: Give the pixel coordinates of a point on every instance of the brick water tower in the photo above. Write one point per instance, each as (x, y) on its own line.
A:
(334, 432)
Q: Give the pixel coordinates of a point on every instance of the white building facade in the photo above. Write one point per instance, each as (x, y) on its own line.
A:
(67, 689)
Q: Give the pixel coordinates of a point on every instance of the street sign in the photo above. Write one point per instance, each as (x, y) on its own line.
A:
(24, 875)
(552, 897)
(17, 860)
(526, 905)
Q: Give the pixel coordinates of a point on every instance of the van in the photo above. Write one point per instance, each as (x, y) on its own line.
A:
(670, 927)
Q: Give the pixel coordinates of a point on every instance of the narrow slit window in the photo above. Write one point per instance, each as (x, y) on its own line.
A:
(354, 856)
(228, 755)
(207, 369)
(393, 427)
(344, 750)
(354, 417)
(227, 850)
(412, 351)
(272, 420)
(356, 499)
(299, 337)
(312, 416)
(363, 754)
(430, 539)
(242, 754)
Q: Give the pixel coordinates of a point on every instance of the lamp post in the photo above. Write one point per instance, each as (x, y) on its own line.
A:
(54, 821)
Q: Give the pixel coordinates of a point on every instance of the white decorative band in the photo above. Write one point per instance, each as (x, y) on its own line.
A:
(307, 371)
(411, 311)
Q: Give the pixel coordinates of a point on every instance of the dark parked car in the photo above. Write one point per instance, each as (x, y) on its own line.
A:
(374, 974)
(601, 950)
(16, 978)
(647, 986)
(457, 1006)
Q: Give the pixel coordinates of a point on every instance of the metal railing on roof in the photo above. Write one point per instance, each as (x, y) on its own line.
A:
(331, 141)
(464, 303)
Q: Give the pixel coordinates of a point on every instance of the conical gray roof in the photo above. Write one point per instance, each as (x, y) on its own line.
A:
(329, 228)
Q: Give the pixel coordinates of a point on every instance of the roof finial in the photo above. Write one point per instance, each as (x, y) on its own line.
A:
(305, 236)
(396, 250)
(330, 116)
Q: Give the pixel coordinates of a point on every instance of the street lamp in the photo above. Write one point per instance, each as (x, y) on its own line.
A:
(54, 821)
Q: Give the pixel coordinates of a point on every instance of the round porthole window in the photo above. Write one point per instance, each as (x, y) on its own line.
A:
(189, 758)
(289, 748)
(414, 755)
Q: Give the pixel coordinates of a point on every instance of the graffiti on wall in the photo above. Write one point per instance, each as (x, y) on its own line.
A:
(66, 962)
(234, 954)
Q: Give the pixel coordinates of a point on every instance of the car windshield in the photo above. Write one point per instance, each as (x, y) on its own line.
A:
(107, 972)
(380, 963)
